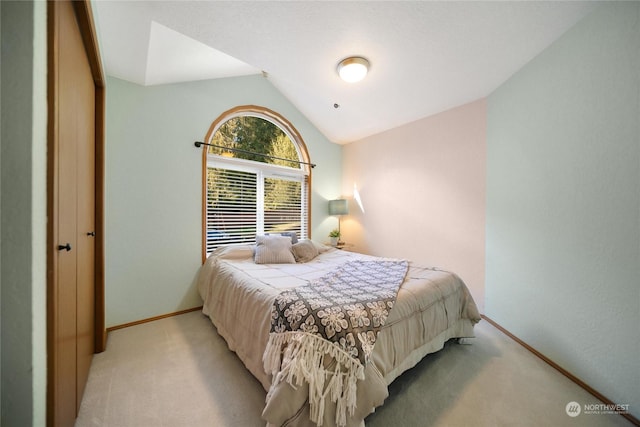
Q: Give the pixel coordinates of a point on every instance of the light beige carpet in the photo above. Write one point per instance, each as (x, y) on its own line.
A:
(178, 372)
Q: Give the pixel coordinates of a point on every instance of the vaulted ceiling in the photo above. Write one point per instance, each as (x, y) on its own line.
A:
(426, 56)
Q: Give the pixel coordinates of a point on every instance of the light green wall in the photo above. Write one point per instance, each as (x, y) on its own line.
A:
(23, 214)
(563, 203)
(154, 186)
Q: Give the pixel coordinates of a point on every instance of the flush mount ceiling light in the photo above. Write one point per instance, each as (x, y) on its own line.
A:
(353, 69)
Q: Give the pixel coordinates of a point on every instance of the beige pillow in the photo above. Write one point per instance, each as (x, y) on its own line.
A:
(321, 247)
(273, 250)
(234, 252)
(304, 251)
(292, 234)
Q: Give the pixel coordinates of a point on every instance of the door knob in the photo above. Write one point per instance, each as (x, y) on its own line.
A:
(91, 233)
(63, 247)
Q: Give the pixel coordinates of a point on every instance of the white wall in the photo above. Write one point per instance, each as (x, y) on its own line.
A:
(23, 214)
(154, 186)
(563, 203)
(422, 186)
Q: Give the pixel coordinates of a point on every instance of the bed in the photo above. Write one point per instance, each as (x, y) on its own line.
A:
(240, 291)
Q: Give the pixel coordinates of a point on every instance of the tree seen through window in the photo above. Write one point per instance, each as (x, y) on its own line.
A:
(255, 135)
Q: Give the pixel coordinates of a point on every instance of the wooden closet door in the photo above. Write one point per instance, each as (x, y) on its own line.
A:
(85, 225)
(73, 304)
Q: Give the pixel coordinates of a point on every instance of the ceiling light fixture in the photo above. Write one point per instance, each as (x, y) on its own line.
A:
(353, 69)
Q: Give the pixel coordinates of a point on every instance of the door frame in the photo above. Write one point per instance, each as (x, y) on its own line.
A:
(84, 16)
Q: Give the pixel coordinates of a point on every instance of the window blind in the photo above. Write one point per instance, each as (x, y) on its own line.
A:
(231, 207)
(243, 201)
(283, 207)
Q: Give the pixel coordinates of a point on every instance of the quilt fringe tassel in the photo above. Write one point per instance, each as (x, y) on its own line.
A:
(295, 357)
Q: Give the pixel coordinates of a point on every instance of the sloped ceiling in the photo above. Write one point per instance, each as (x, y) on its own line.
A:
(426, 56)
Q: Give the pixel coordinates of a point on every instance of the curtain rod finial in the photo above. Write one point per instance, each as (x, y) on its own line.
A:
(197, 144)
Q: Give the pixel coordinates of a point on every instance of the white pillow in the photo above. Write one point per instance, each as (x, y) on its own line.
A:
(273, 250)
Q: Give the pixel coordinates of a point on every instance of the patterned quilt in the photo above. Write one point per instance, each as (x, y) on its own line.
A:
(339, 316)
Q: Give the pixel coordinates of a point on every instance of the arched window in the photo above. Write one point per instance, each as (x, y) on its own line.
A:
(256, 178)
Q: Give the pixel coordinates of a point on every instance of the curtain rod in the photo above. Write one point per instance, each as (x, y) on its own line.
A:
(237, 150)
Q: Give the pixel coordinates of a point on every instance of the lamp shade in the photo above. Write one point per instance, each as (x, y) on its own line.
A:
(338, 207)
